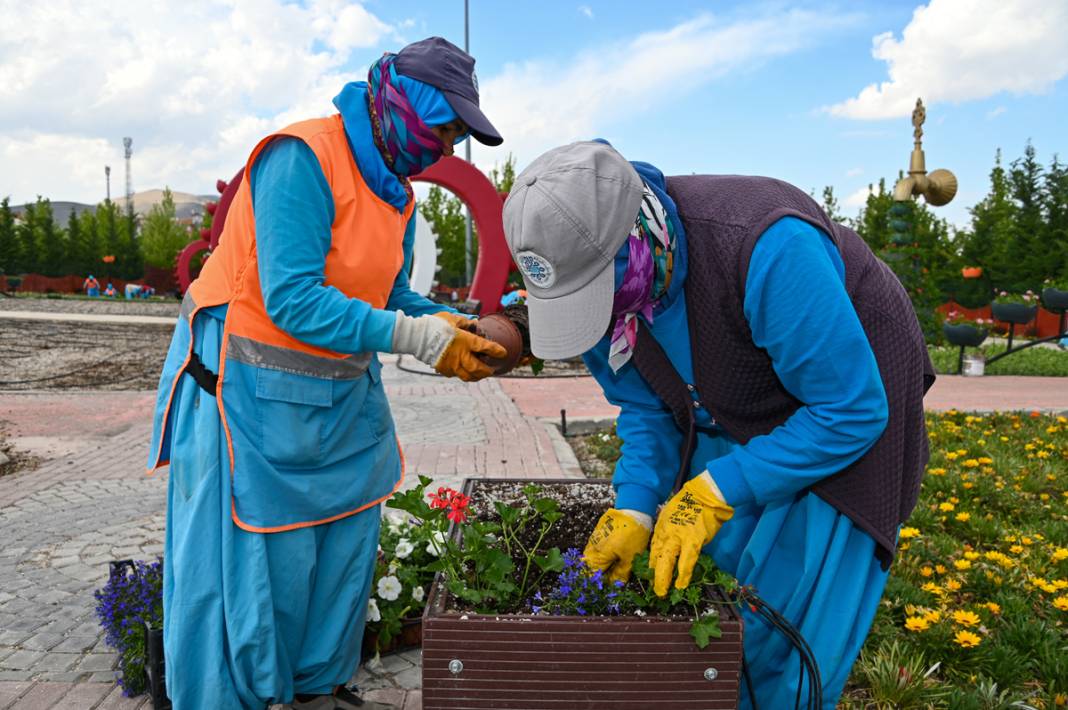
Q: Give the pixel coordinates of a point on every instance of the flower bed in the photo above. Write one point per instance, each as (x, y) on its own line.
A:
(514, 622)
(979, 592)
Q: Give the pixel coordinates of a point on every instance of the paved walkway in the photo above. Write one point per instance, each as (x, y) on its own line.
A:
(90, 503)
(89, 317)
(582, 398)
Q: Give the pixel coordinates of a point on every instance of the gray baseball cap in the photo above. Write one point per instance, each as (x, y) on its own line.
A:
(567, 215)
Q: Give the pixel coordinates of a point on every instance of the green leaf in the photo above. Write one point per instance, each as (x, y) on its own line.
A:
(551, 562)
(508, 514)
(545, 505)
(641, 567)
(537, 365)
(704, 629)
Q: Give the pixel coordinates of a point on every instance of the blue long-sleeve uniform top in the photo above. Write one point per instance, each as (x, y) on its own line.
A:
(798, 310)
(294, 210)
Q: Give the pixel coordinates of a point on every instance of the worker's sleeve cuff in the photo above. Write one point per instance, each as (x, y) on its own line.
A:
(634, 496)
(378, 331)
(727, 473)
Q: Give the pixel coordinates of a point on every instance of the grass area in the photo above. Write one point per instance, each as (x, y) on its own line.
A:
(975, 613)
(1041, 361)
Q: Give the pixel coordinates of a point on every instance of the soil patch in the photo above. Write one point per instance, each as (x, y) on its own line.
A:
(582, 506)
(51, 355)
(11, 459)
(99, 306)
(597, 452)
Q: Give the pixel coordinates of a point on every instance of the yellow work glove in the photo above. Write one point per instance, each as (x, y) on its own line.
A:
(618, 537)
(448, 349)
(687, 522)
(457, 320)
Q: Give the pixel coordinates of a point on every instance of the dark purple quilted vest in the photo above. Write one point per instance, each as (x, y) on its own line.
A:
(723, 216)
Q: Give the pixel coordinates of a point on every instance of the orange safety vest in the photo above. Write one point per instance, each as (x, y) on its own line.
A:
(365, 257)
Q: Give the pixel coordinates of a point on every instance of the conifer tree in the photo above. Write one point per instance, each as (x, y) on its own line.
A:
(9, 242)
(53, 247)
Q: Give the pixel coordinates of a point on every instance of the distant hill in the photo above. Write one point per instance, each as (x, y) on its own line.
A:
(187, 205)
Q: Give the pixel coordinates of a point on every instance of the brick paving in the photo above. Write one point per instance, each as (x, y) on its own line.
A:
(90, 502)
(583, 399)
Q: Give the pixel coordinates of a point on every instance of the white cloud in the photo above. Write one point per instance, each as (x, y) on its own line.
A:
(994, 113)
(858, 198)
(195, 83)
(543, 103)
(586, 10)
(853, 172)
(959, 51)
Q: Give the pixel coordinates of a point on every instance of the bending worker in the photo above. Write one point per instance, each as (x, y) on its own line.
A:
(279, 437)
(733, 310)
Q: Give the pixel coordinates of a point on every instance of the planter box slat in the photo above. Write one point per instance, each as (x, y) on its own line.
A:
(522, 658)
(575, 703)
(523, 662)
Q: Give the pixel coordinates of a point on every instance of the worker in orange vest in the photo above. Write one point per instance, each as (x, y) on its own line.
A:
(91, 286)
(280, 441)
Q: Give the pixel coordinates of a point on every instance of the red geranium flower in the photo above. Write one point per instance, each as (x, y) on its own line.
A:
(441, 498)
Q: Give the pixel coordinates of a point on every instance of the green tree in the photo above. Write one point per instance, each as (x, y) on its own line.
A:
(9, 242)
(30, 261)
(1055, 199)
(161, 236)
(830, 205)
(988, 242)
(52, 240)
(131, 260)
(916, 245)
(91, 243)
(443, 211)
(1029, 257)
(108, 229)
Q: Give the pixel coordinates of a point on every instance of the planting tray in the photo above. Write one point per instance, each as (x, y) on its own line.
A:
(556, 662)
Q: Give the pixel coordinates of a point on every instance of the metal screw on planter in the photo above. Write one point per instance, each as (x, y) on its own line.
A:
(456, 666)
(711, 674)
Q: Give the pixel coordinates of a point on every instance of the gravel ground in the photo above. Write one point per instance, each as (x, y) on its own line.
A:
(51, 355)
(103, 306)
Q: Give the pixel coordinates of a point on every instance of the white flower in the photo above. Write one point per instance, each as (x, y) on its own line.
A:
(373, 614)
(404, 548)
(437, 544)
(418, 593)
(389, 588)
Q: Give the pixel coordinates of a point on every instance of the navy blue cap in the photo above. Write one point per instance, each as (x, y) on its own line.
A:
(446, 67)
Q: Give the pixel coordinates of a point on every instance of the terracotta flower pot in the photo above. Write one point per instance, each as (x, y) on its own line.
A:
(501, 330)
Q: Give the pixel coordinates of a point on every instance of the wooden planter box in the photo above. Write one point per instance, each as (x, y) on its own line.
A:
(572, 662)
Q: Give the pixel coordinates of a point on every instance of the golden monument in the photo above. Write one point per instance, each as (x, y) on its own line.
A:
(940, 186)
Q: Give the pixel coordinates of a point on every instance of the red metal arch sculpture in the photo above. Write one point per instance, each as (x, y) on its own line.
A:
(459, 177)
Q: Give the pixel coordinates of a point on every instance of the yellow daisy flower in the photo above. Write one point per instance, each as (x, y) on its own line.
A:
(966, 639)
(962, 564)
(916, 623)
(966, 618)
(906, 533)
(993, 607)
(963, 517)
(926, 571)
(1061, 603)
(953, 585)
(946, 507)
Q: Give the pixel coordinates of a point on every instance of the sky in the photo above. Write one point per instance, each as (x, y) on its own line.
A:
(816, 93)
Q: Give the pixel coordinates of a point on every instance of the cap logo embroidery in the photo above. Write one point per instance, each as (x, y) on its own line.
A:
(538, 271)
(474, 80)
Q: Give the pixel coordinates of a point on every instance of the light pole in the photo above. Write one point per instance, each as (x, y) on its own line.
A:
(468, 268)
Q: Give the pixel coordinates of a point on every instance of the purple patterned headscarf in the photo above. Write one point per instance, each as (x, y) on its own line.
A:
(410, 145)
(650, 245)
